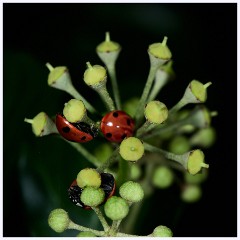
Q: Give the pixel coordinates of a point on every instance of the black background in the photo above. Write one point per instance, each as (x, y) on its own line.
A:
(203, 40)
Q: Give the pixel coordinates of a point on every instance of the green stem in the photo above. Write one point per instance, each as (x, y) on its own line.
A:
(142, 102)
(75, 226)
(177, 158)
(116, 95)
(110, 160)
(85, 153)
(143, 128)
(102, 91)
(73, 92)
(101, 218)
(177, 107)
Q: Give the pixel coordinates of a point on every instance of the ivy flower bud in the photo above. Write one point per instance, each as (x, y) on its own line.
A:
(162, 177)
(156, 112)
(193, 161)
(204, 137)
(131, 191)
(196, 92)
(92, 196)
(58, 220)
(86, 234)
(162, 231)
(88, 177)
(191, 193)
(131, 149)
(108, 51)
(159, 52)
(42, 125)
(179, 145)
(74, 110)
(95, 76)
(116, 208)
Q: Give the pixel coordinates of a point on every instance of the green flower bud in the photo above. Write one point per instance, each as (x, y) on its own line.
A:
(194, 161)
(74, 110)
(103, 152)
(86, 234)
(88, 177)
(42, 125)
(131, 191)
(191, 193)
(162, 177)
(156, 112)
(204, 137)
(116, 208)
(160, 50)
(95, 76)
(196, 92)
(196, 179)
(92, 196)
(135, 171)
(108, 45)
(131, 149)
(162, 231)
(58, 220)
(179, 145)
(130, 106)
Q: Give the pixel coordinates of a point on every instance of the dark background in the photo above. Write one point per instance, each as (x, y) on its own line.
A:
(37, 171)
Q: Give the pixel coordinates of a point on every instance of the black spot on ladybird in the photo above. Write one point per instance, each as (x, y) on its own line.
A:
(108, 135)
(115, 114)
(66, 129)
(83, 138)
(128, 122)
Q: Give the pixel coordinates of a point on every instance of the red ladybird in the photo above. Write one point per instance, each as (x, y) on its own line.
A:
(107, 185)
(75, 132)
(117, 125)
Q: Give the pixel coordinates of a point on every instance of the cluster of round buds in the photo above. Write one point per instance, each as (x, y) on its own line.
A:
(91, 188)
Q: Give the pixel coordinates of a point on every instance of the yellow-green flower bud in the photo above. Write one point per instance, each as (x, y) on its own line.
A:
(95, 76)
(131, 191)
(195, 161)
(162, 231)
(156, 112)
(131, 149)
(179, 145)
(88, 177)
(191, 193)
(162, 177)
(196, 92)
(108, 45)
(86, 234)
(204, 137)
(42, 125)
(92, 196)
(116, 208)
(74, 110)
(58, 220)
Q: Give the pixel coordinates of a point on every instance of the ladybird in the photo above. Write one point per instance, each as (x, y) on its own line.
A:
(75, 132)
(107, 184)
(117, 125)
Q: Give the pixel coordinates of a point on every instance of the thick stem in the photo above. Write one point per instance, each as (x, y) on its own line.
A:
(116, 95)
(102, 91)
(142, 102)
(75, 226)
(101, 218)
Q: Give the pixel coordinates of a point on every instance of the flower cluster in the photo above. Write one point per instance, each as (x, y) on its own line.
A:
(130, 164)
